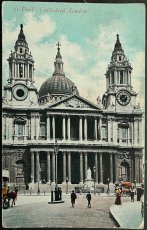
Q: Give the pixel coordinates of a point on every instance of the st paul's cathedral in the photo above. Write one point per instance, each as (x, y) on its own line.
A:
(54, 134)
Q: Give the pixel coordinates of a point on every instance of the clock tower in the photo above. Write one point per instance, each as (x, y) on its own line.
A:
(119, 95)
(20, 90)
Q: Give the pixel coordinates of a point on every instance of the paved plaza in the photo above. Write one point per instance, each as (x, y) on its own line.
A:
(34, 211)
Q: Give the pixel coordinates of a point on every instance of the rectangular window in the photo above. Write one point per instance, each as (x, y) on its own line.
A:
(124, 134)
(104, 133)
(42, 130)
(21, 128)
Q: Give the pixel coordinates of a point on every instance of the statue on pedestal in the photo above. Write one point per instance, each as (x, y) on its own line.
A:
(89, 174)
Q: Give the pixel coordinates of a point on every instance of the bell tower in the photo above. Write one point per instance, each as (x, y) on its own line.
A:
(119, 93)
(20, 87)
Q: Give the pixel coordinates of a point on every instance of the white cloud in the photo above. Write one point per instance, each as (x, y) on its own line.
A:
(38, 28)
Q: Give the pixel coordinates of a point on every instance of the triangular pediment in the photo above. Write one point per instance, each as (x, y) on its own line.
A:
(75, 102)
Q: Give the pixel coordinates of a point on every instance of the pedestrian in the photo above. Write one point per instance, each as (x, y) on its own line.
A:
(88, 196)
(132, 195)
(118, 197)
(73, 198)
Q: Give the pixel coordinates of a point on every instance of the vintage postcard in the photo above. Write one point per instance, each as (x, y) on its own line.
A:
(73, 103)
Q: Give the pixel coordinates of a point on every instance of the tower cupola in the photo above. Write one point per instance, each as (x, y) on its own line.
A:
(21, 45)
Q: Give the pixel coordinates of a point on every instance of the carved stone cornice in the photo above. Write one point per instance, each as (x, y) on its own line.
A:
(124, 155)
(18, 154)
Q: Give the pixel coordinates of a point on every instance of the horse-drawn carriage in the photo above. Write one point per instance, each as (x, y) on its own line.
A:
(5, 199)
(7, 195)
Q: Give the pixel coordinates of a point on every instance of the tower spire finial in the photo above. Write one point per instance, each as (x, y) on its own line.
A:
(21, 26)
(58, 44)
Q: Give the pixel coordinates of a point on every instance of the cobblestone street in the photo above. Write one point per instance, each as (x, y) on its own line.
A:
(34, 211)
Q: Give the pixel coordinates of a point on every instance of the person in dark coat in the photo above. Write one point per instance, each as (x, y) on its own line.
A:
(118, 197)
(88, 197)
(73, 198)
(132, 195)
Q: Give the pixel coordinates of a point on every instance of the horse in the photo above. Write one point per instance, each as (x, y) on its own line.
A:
(12, 195)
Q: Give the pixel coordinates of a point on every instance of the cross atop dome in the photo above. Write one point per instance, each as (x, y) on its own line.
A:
(58, 44)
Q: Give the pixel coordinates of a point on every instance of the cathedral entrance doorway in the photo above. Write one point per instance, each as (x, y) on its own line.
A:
(124, 171)
(20, 174)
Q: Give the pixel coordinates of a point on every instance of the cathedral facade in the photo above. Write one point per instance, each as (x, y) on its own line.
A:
(55, 135)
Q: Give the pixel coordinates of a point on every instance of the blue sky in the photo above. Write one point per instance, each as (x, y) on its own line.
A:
(87, 33)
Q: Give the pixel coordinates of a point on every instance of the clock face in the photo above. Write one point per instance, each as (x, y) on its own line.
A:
(20, 92)
(123, 97)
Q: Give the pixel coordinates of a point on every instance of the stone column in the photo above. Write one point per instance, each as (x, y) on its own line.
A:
(132, 132)
(140, 132)
(135, 131)
(48, 167)
(23, 70)
(110, 78)
(128, 140)
(85, 165)
(53, 121)
(37, 126)
(116, 168)
(111, 168)
(53, 167)
(64, 167)
(32, 166)
(32, 127)
(81, 167)
(85, 128)
(109, 130)
(48, 127)
(68, 126)
(63, 127)
(100, 128)
(13, 69)
(96, 165)
(115, 77)
(69, 167)
(28, 71)
(101, 168)
(37, 166)
(95, 128)
(80, 128)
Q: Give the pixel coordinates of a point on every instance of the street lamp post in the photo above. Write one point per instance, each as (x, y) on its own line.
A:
(66, 185)
(108, 190)
(56, 149)
(94, 171)
(38, 191)
(135, 185)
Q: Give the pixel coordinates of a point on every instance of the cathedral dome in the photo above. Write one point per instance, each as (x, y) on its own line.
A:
(58, 85)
